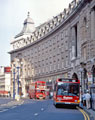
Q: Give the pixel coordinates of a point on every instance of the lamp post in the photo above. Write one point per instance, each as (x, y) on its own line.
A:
(84, 76)
(14, 84)
(81, 71)
(18, 80)
(16, 73)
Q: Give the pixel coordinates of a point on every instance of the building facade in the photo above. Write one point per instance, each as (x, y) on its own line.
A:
(61, 47)
(5, 81)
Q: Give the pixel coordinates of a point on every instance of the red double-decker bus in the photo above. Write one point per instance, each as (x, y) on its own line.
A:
(40, 89)
(37, 90)
(67, 91)
(32, 90)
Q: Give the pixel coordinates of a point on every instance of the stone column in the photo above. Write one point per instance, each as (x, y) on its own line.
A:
(23, 78)
(93, 24)
(23, 88)
(78, 41)
(73, 43)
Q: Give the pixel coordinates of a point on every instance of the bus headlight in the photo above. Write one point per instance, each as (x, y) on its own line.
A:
(78, 101)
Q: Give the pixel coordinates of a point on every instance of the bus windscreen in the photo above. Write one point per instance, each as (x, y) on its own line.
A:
(68, 89)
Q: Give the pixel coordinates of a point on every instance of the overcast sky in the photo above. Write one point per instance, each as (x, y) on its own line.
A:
(14, 12)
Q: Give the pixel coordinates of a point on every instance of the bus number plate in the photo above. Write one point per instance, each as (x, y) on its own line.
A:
(67, 103)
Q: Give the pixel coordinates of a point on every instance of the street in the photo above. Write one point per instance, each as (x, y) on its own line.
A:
(4, 101)
(39, 110)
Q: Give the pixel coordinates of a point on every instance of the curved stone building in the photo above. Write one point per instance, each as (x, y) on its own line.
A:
(61, 47)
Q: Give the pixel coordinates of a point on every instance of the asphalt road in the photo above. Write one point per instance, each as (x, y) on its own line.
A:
(4, 100)
(40, 110)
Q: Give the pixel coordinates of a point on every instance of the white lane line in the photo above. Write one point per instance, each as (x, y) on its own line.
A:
(42, 109)
(13, 107)
(36, 114)
(4, 110)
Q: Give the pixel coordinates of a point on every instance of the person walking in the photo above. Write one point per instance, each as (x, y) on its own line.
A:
(88, 97)
(84, 99)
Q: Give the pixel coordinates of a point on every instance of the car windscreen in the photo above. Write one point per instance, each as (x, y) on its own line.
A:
(69, 89)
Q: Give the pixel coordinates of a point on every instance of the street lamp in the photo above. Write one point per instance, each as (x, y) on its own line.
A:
(18, 81)
(81, 71)
(14, 84)
(16, 72)
(84, 81)
(93, 70)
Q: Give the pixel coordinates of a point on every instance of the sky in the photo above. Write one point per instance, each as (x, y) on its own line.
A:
(14, 12)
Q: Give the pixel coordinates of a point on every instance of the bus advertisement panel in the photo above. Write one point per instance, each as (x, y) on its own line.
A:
(66, 91)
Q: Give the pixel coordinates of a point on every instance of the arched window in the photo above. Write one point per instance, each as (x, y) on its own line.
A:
(74, 76)
(93, 73)
(84, 28)
(85, 73)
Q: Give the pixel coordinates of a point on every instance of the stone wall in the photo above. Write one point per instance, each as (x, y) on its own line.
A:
(57, 47)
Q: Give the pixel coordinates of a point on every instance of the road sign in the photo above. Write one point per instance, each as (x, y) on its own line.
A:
(89, 75)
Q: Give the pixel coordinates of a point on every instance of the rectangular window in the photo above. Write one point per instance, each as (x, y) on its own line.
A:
(58, 66)
(93, 23)
(76, 41)
(84, 53)
(62, 64)
(50, 68)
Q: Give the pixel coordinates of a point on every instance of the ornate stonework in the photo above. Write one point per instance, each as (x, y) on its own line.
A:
(57, 47)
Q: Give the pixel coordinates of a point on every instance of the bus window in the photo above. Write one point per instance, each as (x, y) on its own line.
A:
(74, 90)
(60, 91)
(38, 91)
(42, 91)
(68, 89)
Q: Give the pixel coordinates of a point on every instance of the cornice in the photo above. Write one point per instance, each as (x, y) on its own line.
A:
(52, 73)
(57, 22)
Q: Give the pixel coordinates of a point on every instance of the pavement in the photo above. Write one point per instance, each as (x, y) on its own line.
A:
(90, 112)
(5, 100)
(8, 103)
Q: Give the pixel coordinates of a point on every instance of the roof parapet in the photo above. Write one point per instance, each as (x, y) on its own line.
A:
(48, 26)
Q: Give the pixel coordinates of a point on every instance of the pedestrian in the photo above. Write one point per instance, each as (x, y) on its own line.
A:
(88, 97)
(51, 95)
(84, 99)
(81, 99)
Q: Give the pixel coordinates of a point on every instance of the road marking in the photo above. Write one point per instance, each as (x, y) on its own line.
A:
(9, 105)
(42, 109)
(36, 114)
(4, 110)
(13, 107)
(84, 113)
